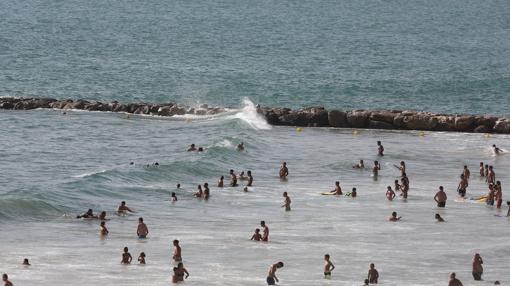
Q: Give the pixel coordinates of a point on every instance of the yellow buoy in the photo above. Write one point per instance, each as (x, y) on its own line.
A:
(299, 129)
(355, 132)
(487, 135)
(421, 134)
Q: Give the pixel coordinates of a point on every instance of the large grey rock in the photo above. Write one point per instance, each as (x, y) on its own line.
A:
(445, 123)
(337, 118)
(420, 121)
(384, 116)
(481, 129)
(502, 126)
(358, 118)
(464, 123)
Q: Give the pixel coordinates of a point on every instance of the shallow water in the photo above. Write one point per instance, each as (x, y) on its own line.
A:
(56, 166)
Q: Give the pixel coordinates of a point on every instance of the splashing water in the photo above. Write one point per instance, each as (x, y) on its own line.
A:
(250, 115)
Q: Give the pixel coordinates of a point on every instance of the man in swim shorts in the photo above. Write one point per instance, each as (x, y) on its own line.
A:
(394, 217)
(286, 201)
(250, 179)
(233, 179)
(126, 257)
(477, 267)
(271, 275)
(142, 231)
(440, 198)
(390, 194)
(463, 184)
(177, 252)
(328, 266)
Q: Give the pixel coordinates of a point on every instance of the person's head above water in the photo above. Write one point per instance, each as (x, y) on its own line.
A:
(262, 223)
(176, 242)
(279, 264)
(140, 219)
(123, 203)
(394, 214)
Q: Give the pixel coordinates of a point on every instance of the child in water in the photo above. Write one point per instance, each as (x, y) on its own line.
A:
(141, 258)
(126, 257)
(256, 236)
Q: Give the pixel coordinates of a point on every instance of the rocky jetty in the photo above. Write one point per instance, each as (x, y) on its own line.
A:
(306, 117)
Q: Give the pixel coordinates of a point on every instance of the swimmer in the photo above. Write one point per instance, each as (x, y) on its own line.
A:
(394, 217)
(439, 218)
(25, 262)
(179, 272)
(240, 146)
(482, 172)
(178, 186)
(199, 193)
(220, 182)
(102, 216)
(126, 257)
(491, 177)
(466, 172)
(508, 204)
(6, 281)
(233, 179)
(380, 149)
(328, 266)
(245, 189)
(123, 208)
(373, 275)
(173, 197)
(338, 190)
(286, 201)
(376, 168)
(440, 198)
(463, 184)
(398, 187)
(250, 179)
(404, 186)
(498, 195)
(271, 273)
(496, 149)
(177, 256)
(365, 283)
(477, 267)
(390, 194)
(207, 192)
(265, 232)
(256, 236)
(141, 258)
(284, 171)
(360, 165)
(354, 193)
(192, 148)
(454, 281)
(402, 168)
(88, 214)
(142, 231)
(242, 177)
(200, 149)
(490, 196)
(102, 229)
(486, 171)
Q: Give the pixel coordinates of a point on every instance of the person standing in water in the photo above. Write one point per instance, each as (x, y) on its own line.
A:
(491, 177)
(126, 257)
(177, 256)
(179, 273)
(207, 192)
(499, 194)
(265, 232)
(250, 179)
(376, 168)
(360, 165)
(440, 198)
(199, 193)
(256, 236)
(220, 182)
(102, 229)
(463, 184)
(286, 201)
(390, 194)
(123, 208)
(240, 146)
(142, 231)
(466, 172)
(496, 149)
(373, 275)
(482, 170)
(477, 267)
(454, 281)
(271, 273)
(6, 281)
(402, 168)
(233, 179)
(328, 266)
(284, 171)
(141, 258)
(394, 217)
(380, 149)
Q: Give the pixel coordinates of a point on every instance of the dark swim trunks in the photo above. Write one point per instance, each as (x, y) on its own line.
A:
(142, 236)
(270, 281)
(477, 276)
(462, 192)
(441, 204)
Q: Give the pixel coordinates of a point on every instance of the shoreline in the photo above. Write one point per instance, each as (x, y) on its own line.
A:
(305, 117)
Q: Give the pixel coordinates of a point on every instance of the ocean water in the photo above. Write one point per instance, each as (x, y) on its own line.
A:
(56, 166)
(441, 56)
